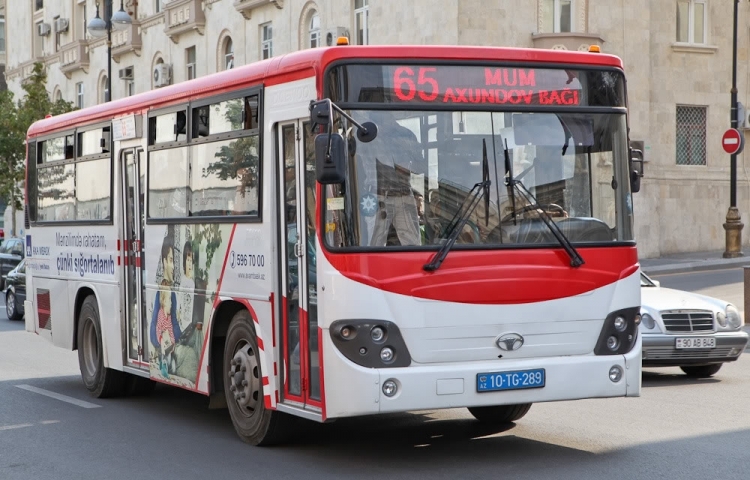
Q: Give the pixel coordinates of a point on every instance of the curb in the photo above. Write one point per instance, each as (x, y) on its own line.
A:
(718, 264)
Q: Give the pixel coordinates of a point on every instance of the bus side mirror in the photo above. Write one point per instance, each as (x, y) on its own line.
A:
(636, 169)
(330, 159)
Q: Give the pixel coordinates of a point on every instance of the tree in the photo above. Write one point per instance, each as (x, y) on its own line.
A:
(14, 123)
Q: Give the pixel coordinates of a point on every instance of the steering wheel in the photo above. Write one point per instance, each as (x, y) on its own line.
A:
(544, 206)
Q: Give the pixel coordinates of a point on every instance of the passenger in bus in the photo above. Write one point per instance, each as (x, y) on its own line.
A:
(397, 154)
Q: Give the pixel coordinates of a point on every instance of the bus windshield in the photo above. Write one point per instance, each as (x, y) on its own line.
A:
(405, 187)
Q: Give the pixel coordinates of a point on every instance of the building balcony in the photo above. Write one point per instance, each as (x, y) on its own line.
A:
(246, 7)
(126, 41)
(575, 41)
(183, 16)
(73, 57)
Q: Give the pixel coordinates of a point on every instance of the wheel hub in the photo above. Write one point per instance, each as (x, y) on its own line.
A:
(244, 380)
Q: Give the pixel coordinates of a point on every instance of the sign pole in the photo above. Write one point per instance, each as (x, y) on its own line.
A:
(733, 225)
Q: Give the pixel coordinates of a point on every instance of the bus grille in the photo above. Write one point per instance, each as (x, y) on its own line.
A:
(688, 321)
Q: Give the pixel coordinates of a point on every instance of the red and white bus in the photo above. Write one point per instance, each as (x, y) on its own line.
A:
(347, 231)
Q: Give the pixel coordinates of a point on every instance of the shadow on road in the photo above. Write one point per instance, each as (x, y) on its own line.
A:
(652, 379)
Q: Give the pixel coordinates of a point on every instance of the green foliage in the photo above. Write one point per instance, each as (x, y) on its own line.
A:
(14, 124)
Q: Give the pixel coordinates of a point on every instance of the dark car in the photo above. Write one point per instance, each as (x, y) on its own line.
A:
(11, 254)
(15, 291)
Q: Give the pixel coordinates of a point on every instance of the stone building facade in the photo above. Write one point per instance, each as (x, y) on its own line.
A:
(677, 56)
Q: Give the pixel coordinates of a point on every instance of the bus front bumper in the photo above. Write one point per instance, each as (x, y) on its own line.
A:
(354, 390)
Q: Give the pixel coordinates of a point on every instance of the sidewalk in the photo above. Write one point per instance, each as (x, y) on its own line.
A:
(688, 262)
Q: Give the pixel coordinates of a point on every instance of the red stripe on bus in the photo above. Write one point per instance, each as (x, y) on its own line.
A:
(260, 342)
(118, 261)
(273, 320)
(267, 402)
(265, 381)
(138, 262)
(118, 244)
(322, 374)
(275, 370)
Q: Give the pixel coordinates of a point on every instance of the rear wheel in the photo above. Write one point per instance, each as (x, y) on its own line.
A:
(101, 382)
(703, 371)
(500, 413)
(11, 309)
(243, 386)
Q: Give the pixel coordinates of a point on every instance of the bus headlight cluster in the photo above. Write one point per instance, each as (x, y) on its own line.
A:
(619, 333)
(370, 343)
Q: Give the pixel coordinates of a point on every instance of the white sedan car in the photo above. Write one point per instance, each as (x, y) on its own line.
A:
(694, 332)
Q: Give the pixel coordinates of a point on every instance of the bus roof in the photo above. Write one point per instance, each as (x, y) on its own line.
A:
(303, 64)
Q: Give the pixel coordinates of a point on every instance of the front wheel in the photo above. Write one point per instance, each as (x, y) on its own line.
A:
(704, 371)
(11, 309)
(243, 386)
(101, 382)
(500, 413)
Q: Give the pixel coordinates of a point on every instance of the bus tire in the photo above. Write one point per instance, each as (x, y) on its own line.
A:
(500, 413)
(702, 371)
(243, 386)
(101, 382)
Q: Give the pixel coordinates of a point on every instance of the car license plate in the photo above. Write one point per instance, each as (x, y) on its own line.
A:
(695, 342)
(516, 380)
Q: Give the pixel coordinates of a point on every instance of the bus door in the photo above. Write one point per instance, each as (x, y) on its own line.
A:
(133, 163)
(299, 305)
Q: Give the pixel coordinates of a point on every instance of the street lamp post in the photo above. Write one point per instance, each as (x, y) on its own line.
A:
(98, 27)
(733, 225)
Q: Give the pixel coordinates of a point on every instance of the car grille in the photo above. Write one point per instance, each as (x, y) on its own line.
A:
(668, 353)
(688, 321)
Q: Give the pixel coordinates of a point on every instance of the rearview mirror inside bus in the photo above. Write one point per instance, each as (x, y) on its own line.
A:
(330, 159)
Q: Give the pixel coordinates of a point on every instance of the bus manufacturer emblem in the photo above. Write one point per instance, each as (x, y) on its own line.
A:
(509, 342)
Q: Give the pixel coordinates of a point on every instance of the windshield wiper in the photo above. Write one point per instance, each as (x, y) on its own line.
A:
(456, 225)
(575, 258)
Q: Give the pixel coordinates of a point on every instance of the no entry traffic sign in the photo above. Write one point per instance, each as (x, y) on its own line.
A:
(733, 141)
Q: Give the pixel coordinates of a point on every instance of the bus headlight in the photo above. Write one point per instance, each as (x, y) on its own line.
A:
(371, 343)
(619, 332)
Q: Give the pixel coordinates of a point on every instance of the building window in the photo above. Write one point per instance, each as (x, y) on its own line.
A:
(691, 21)
(190, 60)
(558, 16)
(266, 41)
(2, 34)
(38, 42)
(104, 88)
(81, 21)
(361, 21)
(38, 5)
(228, 54)
(314, 30)
(157, 6)
(691, 135)
(79, 94)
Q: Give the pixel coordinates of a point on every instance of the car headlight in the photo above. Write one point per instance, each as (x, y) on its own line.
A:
(733, 316)
(648, 321)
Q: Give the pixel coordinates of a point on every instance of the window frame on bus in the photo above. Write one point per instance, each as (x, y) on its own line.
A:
(75, 160)
(191, 140)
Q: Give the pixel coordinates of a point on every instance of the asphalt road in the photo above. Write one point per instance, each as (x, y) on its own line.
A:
(678, 428)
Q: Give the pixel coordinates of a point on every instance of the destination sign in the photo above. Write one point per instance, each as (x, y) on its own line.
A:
(478, 85)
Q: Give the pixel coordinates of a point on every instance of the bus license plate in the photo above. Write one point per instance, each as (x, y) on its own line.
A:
(494, 381)
(695, 342)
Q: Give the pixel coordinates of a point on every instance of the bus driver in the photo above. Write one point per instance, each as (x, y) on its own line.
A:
(396, 153)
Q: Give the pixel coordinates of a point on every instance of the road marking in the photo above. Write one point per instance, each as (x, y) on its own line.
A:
(49, 422)
(13, 427)
(57, 396)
